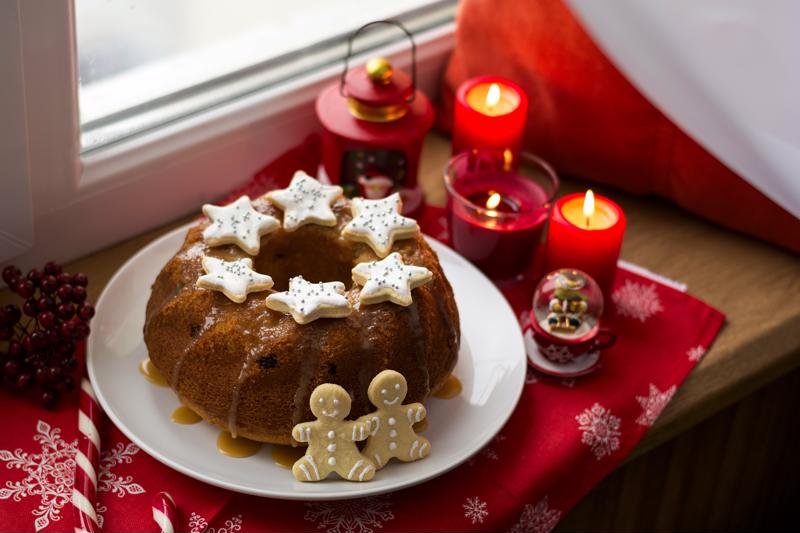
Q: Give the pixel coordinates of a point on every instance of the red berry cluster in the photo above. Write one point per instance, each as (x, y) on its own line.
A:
(41, 338)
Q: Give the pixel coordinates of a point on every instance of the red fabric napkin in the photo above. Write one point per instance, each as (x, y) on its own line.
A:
(564, 436)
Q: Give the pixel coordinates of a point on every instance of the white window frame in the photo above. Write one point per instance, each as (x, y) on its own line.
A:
(55, 204)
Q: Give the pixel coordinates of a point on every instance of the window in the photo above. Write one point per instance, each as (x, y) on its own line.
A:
(124, 115)
(144, 63)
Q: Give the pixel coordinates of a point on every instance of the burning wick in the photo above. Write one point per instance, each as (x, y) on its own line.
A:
(493, 95)
(588, 206)
(492, 202)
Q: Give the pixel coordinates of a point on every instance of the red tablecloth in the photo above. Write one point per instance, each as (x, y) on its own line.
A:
(564, 436)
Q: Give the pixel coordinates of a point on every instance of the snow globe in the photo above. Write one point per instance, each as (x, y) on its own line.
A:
(564, 334)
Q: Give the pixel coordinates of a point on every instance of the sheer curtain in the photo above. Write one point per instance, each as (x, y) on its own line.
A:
(726, 71)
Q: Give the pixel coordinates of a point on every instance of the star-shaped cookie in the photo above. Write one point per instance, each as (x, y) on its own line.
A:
(235, 279)
(237, 223)
(389, 279)
(379, 223)
(306, 201)
(307, 301)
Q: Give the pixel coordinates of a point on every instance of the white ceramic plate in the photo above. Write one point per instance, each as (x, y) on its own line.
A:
(491, 367)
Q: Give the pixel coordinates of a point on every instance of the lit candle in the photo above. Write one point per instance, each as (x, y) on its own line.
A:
(586, 233)
(497, 215)
(489, 112)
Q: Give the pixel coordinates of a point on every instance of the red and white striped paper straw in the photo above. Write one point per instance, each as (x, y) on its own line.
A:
(164, 514)
(87, 459)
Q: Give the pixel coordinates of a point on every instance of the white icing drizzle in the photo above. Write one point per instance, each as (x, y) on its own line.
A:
(238, 223)
(306, 201)
(307, 301)
(389, 279)
(364, 472)
(355, 467)
(379, 223)
(235, 279)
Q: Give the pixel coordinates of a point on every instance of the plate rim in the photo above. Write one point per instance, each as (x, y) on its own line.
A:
(267, 493)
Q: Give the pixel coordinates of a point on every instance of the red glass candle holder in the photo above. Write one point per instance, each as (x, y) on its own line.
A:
(496, 214)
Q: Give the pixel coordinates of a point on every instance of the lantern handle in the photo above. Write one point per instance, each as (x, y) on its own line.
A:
(413, 56)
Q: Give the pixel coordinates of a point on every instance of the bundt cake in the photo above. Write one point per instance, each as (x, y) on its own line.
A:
(244, 361)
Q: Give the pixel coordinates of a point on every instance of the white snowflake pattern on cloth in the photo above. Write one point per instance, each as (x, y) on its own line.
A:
(475, 510)
(198, 524)
(488, 451)
(695, 353)
(524, 318)
(51, 474)
(539, 518)
(653, 404)
(568, 382)
(558, 354)
(531, 376)
(100, 509)
(637, 301)
(350, 516)
(600, 430)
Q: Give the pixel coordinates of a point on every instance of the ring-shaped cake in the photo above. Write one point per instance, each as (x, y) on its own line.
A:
(239, 355)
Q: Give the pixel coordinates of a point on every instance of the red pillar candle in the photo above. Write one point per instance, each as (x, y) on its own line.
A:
(496, 215)
(586, 233)
(489, 112)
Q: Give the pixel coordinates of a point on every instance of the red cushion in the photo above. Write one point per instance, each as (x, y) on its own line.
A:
(589, 121)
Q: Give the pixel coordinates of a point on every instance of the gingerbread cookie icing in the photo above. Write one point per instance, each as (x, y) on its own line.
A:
(393, 435)
(332, 439)
(238, 223)
(306, 201)
(235, 279)
(379, 223)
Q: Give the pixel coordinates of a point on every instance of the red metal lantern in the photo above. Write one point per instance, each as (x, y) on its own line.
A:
(374, 123)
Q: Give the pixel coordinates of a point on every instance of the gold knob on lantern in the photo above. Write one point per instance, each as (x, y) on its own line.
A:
(379, 70)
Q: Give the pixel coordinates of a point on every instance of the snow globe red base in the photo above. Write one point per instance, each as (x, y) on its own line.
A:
(564, 336)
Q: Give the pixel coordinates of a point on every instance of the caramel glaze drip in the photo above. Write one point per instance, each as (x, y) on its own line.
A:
(451, 388)
(412, 311)
(149, 371)
(287, 456)
(233, 411)
(237, 447)
(184, 415)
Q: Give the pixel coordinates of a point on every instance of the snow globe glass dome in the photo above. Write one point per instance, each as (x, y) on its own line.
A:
(567, 305)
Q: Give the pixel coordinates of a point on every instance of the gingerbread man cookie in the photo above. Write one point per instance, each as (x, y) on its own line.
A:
(332, 439)
(392, 433)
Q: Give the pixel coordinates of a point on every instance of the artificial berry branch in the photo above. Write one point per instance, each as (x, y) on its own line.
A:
(39, 355)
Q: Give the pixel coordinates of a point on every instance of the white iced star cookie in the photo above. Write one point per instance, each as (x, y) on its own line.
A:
(379, 223)
(237, 223)
(307, 301)
(389, 279)
(306, 201)
(235, 279)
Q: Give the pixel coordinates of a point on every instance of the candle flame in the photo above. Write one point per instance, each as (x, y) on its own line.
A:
(588, 204)
(493, 95)
(508, 159)
(493, 201)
